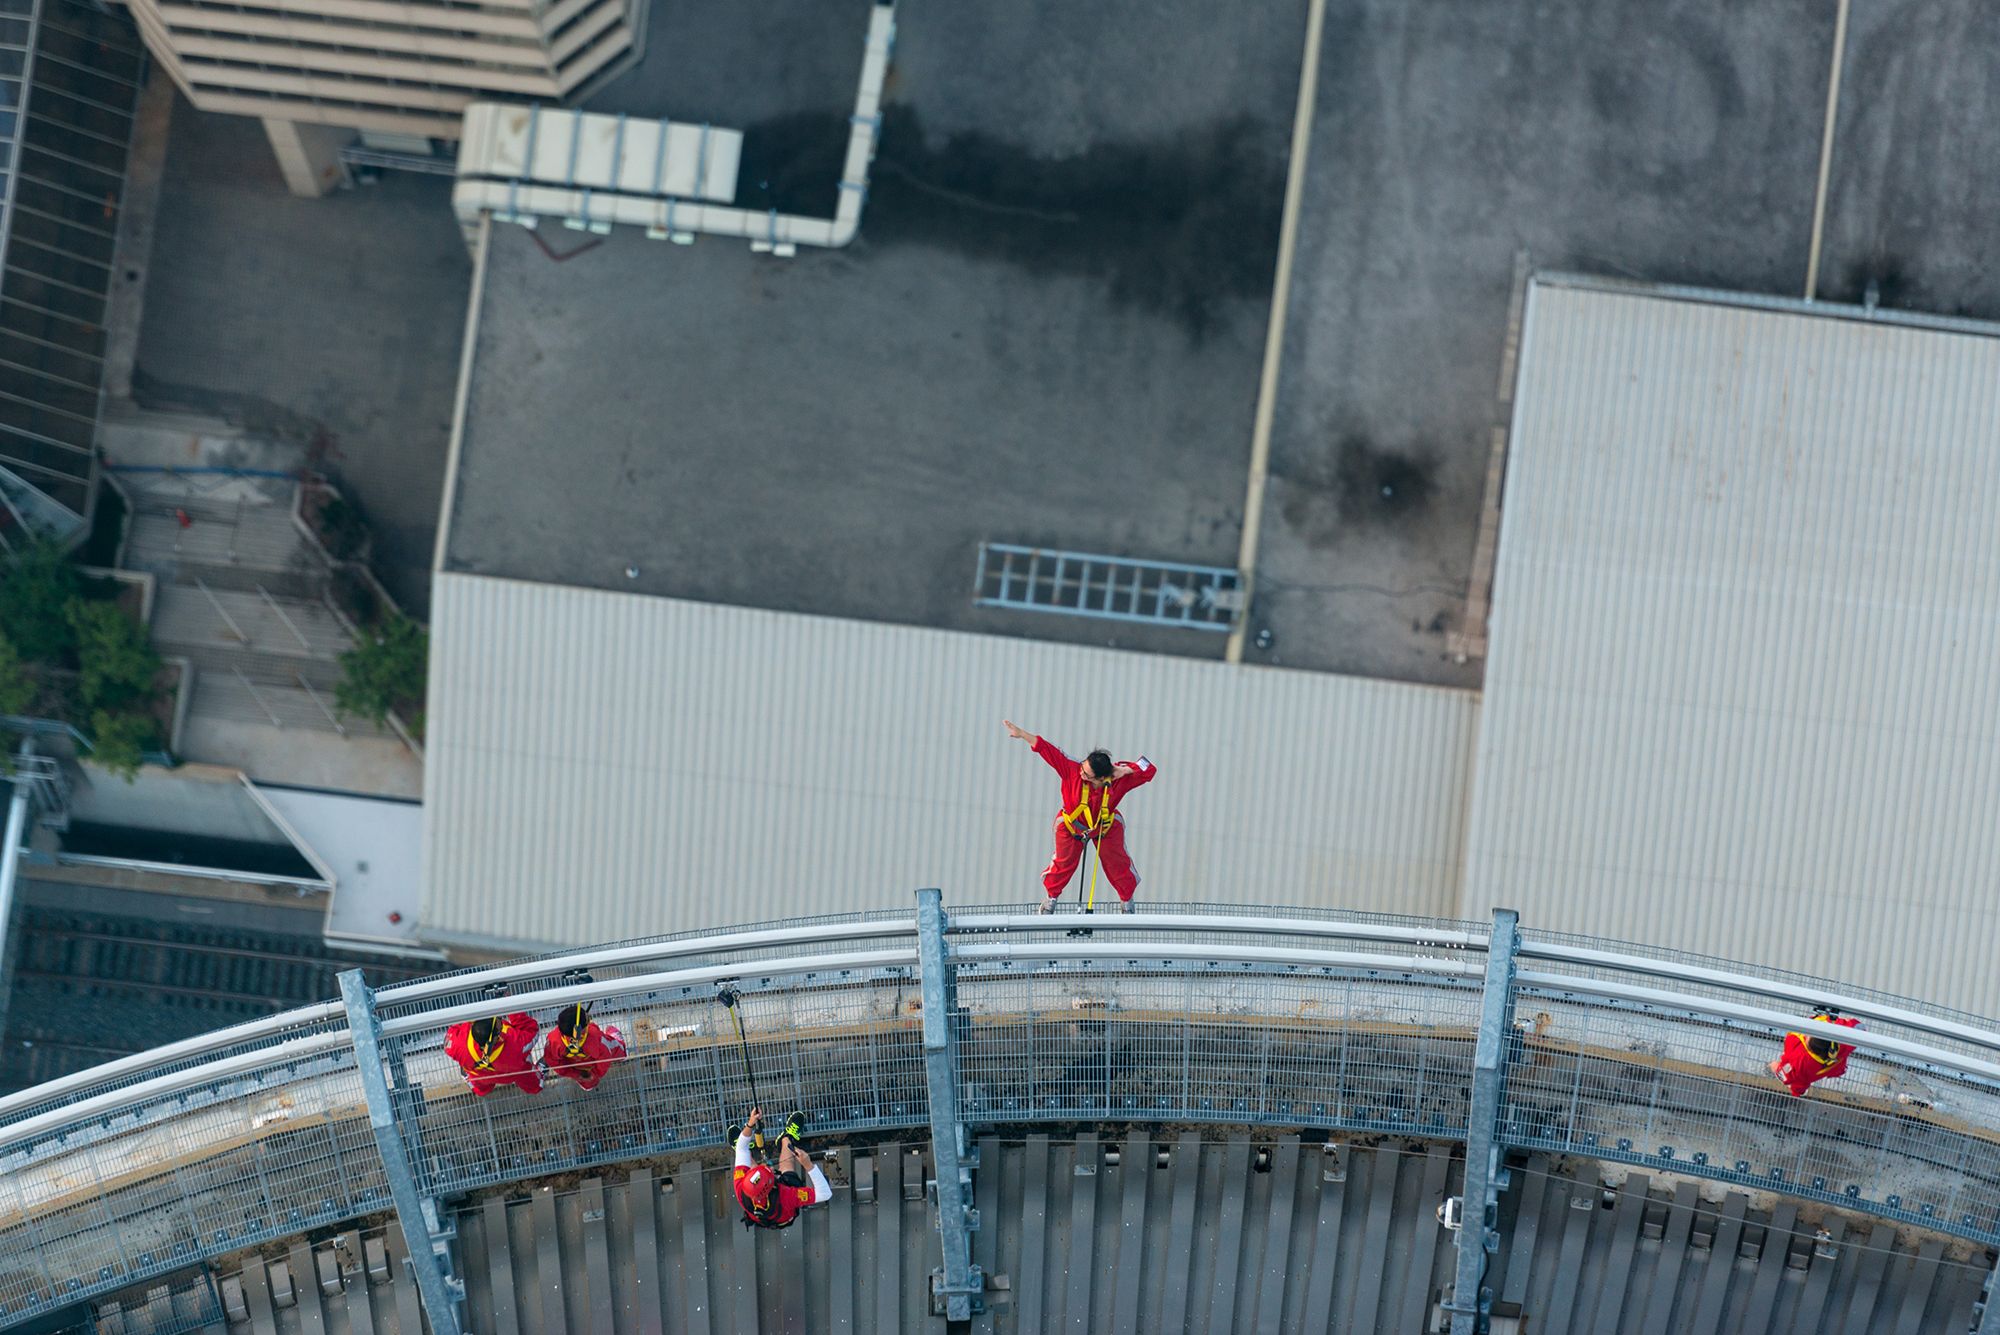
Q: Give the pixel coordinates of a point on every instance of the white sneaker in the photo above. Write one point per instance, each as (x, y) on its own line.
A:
(1125, 906)
(1048, 906)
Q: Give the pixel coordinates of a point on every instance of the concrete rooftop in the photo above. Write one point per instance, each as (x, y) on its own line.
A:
(1049, 333)
(1051, 328)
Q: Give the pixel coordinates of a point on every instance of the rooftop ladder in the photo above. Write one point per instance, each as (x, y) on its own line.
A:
(1115, 588)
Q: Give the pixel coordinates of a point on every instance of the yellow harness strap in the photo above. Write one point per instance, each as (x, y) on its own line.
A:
(480, 1063)
(1096, 822)
(1808, 1041)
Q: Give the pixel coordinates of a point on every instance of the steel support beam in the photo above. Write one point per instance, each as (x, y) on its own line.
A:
(1478, 1235)
(1989, 1316)
(957, 1288)
(429, 1247)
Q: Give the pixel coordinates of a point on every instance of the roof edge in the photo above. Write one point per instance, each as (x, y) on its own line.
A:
(1875, 315)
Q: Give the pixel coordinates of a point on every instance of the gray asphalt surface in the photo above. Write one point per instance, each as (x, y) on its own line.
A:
(1675, 142)
(1049, 333)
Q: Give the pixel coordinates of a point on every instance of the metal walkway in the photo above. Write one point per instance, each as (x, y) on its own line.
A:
(1135, 1234)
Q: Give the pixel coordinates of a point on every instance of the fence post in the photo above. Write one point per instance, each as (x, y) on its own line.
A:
(956, 1289)
(1478, 1235)
(428, 1247)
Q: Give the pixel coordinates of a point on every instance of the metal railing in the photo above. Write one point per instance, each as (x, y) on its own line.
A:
(1191, 1013)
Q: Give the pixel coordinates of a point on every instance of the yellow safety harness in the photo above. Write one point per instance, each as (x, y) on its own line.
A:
(573, 1047)
(1094, 823)
(1813, 1043)
(499, 1046)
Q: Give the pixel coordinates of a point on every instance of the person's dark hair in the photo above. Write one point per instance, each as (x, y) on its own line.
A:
(1100, 763)
(573, 1021)
(483, 1031)
(1822, 1049)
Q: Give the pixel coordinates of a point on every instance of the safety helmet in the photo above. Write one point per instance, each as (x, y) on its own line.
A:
(757, 1186)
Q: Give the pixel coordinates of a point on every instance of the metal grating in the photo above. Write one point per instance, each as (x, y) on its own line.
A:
(1115, 588)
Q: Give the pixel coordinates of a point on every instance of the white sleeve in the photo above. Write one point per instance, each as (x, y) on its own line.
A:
(822, 1189)
(743, 1149)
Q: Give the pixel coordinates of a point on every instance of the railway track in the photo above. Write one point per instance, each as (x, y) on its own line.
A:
(89, 987)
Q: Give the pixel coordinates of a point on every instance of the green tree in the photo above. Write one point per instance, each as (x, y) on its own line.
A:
(118, 665)
(17, 688)
(37, 585)
(384, 670)
(119, 741)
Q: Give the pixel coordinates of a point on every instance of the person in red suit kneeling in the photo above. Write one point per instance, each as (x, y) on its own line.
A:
(581, 1049)
(1809, 1059)
(496, 1051)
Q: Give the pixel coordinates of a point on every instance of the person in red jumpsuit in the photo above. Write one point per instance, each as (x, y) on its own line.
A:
(581, 1049)
(496, 1051)
(1808, 1059)
(1091, 791)
(774, 1199)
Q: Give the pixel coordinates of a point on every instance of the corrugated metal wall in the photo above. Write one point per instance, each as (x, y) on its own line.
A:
(1742, 693)
(603, 765)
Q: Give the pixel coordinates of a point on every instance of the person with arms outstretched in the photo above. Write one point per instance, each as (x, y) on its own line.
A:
(1091, 791)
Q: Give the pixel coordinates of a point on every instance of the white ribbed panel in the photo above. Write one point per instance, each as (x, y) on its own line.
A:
(1743, 691)
(602, 765)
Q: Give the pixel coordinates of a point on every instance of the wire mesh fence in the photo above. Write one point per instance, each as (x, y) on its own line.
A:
(164, 1183)
(850, 1054)
(1679, 1093)
(1137, 1023)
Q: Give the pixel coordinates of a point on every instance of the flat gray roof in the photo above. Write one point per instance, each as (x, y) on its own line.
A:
(1673, 144)
(1050, 331)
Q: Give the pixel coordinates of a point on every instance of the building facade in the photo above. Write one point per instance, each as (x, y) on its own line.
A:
(316, 71)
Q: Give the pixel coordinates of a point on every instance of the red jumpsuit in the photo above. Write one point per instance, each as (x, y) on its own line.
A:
(783, 1194)
(602, 1045)
(1096, 818)
(508, 1060)
(1798, 1068)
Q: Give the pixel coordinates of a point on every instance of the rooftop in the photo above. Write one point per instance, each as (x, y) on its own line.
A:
(1063, 276)
(1049, 333)
(1742, 611)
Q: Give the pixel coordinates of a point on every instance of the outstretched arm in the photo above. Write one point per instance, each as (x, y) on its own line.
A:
(1044, 748)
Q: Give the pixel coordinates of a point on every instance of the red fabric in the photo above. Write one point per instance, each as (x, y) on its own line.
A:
(789, 1199)
(603, 1045)
(1111, 853)
(1110, 838)
(513, 1066)
(1798, 1068)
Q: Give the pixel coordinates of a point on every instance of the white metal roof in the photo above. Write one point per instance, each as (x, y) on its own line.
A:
(1741, 693)
(603, 765)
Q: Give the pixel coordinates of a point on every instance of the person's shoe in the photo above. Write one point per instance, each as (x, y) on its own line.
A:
(1048, 906)
(733, 1134)
(1125, 906)
(795, 1126)
(496, 989)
